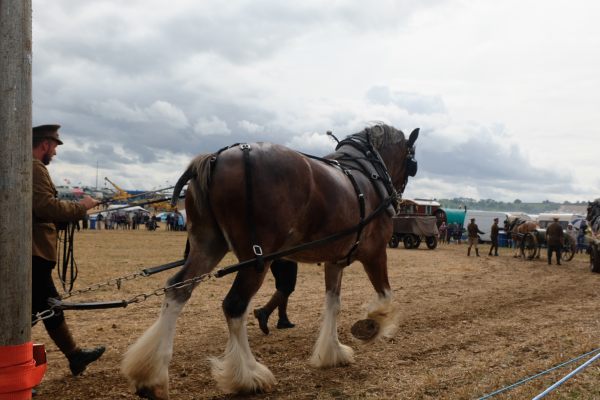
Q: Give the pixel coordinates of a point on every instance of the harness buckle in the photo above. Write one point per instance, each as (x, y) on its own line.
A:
(257, 250)
(244, 146)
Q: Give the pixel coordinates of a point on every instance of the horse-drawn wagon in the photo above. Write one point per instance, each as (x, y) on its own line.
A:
(412, 230)
(530, 238)
(534, 241)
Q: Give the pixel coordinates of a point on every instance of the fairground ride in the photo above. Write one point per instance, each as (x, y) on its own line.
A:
(120, 194)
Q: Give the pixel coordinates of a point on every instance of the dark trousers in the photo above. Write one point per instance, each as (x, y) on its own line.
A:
(494, 246)
(555, 249)
(285, 273)
(42, 288)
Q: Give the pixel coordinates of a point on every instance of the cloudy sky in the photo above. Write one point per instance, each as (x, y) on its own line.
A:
(506, 93)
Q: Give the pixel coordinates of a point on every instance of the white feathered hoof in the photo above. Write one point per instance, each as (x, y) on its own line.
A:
(335, 355)
(365, 329)
(242, 377)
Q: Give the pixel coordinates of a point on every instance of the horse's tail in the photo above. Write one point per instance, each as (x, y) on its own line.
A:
(201, 170)
(181, 182)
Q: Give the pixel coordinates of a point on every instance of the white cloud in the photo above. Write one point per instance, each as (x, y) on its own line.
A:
(162, 111)
(153, 78)
(311, 143)
(158, 112)
(250, 127)
(211, 126)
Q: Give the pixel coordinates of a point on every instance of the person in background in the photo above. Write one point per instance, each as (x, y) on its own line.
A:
(443, 229)
(285, 273)
(494, 237)
(473, 231)
(581, 248)
(99, 219)
(48, 211)
(572, 233)
(554, 239)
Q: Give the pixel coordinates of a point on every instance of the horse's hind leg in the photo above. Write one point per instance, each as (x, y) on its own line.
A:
(146, 362)
(237, 371)
(328, 351)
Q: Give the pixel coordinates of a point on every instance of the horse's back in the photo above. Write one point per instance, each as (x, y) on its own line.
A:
(291, 199)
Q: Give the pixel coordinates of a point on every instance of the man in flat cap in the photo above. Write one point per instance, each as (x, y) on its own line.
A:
(473, 231)
(48, 210)
(554, 240)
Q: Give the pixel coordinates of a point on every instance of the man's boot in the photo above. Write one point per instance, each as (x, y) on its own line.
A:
(284, 322)
(262, 314)
(477, 252)
(469, 252)
(78, 358)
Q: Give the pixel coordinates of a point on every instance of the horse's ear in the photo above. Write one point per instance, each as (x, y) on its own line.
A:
(413, 137)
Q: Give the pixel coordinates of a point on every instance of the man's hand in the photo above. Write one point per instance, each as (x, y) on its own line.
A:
(88, 202)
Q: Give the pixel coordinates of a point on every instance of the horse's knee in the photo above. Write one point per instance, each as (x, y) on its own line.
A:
(180, 294)
(234, 305)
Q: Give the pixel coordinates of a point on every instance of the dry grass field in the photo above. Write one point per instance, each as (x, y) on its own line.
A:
(468, 326)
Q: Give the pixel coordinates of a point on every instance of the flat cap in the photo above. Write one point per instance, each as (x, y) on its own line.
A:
(47, 131)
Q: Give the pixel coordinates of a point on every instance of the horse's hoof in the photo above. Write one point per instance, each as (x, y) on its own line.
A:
(150, 394)
(365, 329)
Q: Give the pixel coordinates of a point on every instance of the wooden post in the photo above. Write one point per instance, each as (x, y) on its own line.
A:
(15, 172)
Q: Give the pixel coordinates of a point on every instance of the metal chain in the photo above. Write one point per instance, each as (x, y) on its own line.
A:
(164, 290)
(42, 315)
(138, 298)
(114, 281)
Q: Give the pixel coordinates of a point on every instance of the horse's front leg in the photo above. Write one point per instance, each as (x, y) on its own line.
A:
(237, 371)
(328, 351)
(146, 362)
(382, 315)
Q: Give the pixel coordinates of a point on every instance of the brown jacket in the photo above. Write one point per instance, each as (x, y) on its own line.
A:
(494, 231)
(48, 210)
(554, 234)
(473, 230)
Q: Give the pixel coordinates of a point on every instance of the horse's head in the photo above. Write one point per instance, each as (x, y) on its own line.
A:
(397, 153)
(593, 210)
(507, 225)
(511, 222)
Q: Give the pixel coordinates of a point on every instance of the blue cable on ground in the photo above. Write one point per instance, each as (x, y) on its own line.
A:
(522, 381)
(567, 377)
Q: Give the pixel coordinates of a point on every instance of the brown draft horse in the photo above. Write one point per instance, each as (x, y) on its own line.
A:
(518, 226)
(295, 199)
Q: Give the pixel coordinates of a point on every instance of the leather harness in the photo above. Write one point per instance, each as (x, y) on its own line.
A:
(356, 154)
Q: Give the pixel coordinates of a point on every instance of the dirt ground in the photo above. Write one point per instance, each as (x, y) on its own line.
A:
(468, 326)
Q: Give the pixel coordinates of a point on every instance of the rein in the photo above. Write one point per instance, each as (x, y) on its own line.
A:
(67, 267)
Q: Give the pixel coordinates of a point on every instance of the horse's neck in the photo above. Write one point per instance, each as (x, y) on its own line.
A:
(356, 155)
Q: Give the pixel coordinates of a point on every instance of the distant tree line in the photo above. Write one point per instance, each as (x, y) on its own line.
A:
(493, 205)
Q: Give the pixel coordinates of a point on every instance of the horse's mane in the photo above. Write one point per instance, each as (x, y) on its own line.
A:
(380, 135)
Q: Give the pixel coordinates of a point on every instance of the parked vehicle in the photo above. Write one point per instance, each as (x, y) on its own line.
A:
(412, 230)
(564, 219)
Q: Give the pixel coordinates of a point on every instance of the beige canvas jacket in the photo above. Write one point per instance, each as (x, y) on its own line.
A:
(48, 210)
